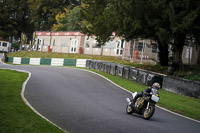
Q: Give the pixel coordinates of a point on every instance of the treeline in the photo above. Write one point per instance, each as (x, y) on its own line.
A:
(175, 22)
(27, 16)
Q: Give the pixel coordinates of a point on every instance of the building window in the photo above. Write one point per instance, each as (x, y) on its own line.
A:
(140, 46)
(154, 47)
(120, 47)
(74, 44)
(4, 44)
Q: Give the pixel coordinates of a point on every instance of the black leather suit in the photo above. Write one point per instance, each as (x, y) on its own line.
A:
(146, 91)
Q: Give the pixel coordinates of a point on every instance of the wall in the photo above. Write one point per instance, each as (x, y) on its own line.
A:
(183, 87)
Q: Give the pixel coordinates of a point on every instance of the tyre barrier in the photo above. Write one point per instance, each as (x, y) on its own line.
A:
(179, 86)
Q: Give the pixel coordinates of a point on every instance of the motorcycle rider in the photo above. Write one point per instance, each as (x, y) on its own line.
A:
(146, 91)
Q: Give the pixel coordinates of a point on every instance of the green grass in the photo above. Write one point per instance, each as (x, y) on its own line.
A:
(183, 105)
(15, 116)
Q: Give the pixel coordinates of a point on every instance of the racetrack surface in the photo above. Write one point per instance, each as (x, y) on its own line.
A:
(82, 102)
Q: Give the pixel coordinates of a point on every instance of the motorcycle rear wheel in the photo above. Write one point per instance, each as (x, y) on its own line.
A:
(148, 113)
(129, 110)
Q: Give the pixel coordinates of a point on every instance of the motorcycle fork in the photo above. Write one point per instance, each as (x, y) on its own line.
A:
(147, 106)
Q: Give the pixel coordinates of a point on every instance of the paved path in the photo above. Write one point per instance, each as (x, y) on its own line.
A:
(82, 102)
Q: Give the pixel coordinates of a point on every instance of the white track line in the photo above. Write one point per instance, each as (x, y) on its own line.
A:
(132, 92)
(28, 104)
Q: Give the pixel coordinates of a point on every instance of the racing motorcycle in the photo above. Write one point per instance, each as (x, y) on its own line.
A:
(144, 105)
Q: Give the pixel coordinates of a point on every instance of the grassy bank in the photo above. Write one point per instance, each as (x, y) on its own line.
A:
(184, 105)
(15, 116)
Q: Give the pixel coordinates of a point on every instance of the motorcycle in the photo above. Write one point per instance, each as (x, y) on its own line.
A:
(144, 105)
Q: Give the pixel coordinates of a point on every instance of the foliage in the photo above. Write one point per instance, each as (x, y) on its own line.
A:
(26, 16)
(167, 22)
(43, 12)
(68, 20)
(15, 18)
(97, 19)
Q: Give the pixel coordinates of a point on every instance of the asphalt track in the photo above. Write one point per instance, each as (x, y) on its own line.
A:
(82, 102)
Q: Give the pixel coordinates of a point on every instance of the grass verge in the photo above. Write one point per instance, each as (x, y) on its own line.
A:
(183, 105)
(15, 116)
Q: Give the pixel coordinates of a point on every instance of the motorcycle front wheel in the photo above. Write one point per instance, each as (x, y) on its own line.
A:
(148, 113)
(129, 110)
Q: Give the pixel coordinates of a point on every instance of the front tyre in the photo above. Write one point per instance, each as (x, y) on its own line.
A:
(148, 113)
(129, 110)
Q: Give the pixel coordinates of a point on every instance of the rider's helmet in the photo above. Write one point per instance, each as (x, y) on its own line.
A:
(156, 86)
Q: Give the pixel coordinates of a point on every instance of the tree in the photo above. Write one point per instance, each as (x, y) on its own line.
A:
(184, 18)
(164, 21)
(43, 12)
(69, 20)
(96, 21)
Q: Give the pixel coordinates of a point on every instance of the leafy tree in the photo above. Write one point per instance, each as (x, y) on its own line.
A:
(164, 21)
(184, 21)
(96, 21)
(69, 20)
(15, 19)
(43, 12)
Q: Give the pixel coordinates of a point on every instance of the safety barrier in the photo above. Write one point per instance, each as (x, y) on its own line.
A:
(179, 86)
(48, 61)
